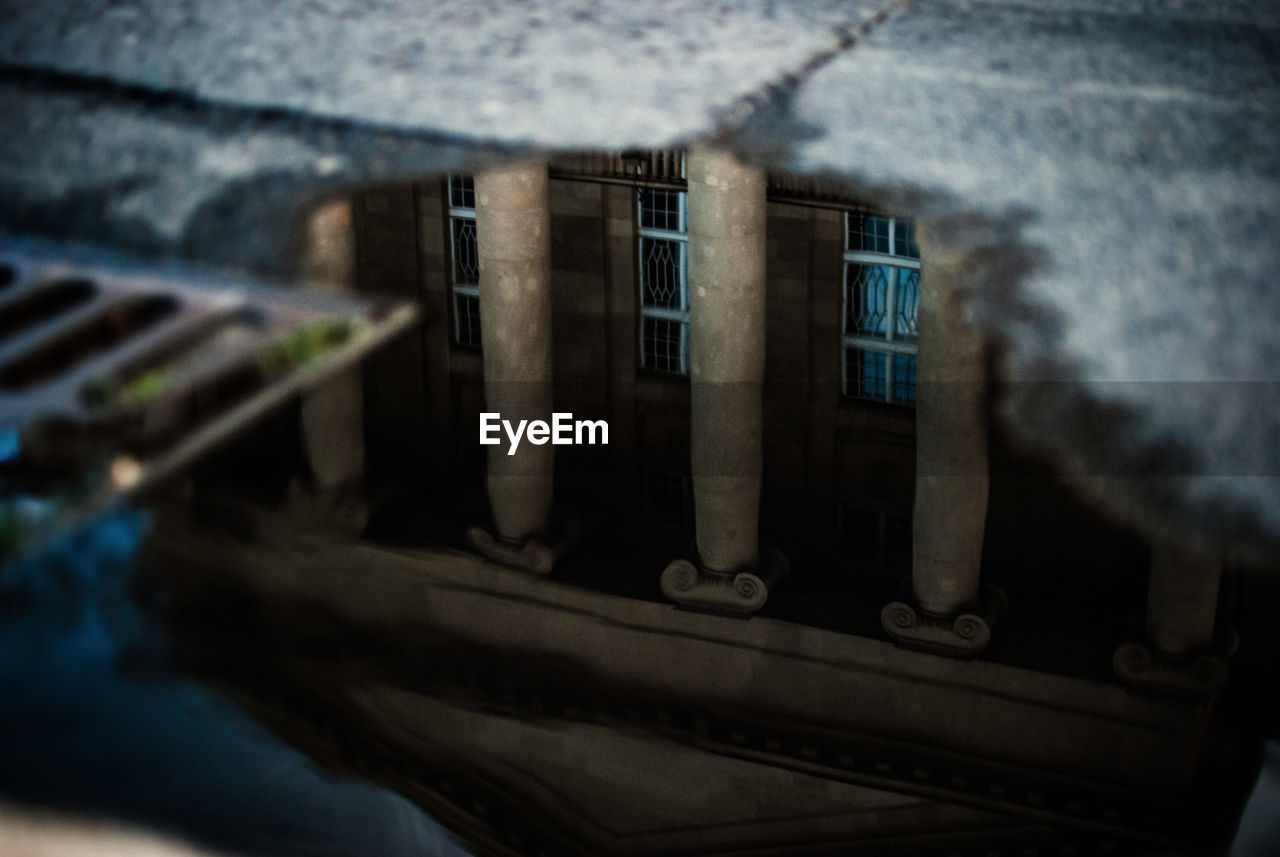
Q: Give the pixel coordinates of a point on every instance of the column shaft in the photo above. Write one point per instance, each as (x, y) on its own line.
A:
(727, 306)
(333, 414)
(1182, 599)
(1181, 652)
(514, 246)
(952, 479)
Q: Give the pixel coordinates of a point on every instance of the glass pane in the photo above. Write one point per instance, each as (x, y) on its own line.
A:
(466, 261)
(904, 379)
(897, 553)
(662, 344)
(867, 232)
(904, 239)
(466, 310)
(462, 191)
(859, 534)
(866, 374)
(908, 304)
(660, 209)
(668, 498)
(866, 298)
(661, 274)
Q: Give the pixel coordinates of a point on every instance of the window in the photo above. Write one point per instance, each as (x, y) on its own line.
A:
(466, 260)
(881, 299)
(871, 537)
(668, 497)
(664, 280)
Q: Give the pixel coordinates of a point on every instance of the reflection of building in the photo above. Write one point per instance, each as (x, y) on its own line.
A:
(881, 301)
(466, 265)
(839, 463)
(621, 346)
(861, 466)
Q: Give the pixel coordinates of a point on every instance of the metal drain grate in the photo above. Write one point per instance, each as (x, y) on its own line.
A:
(112, 378)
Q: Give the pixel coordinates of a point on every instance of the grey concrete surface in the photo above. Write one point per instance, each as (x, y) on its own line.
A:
(1113, 171)
(1110, 168)
(545, 72)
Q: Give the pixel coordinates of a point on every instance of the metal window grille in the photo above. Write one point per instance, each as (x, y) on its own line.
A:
(466, 260)
(859, 530)
(881, 304)
(664, 280)
(659, 166)
(668, 497)
(466, 316)
(462, 191)
(897, 542)
(871, 537)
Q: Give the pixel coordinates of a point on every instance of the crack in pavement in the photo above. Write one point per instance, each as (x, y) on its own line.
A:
(775, 97)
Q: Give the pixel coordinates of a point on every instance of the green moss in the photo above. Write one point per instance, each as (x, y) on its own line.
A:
(297, 349)
(138, 393)
(304, 345)
(145, 389)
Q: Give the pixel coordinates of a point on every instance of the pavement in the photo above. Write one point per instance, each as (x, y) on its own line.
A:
(1109, 168)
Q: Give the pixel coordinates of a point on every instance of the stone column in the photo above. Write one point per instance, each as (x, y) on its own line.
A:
(333, 413)
(1182, 602)
(726, 341)
(949, 610)
(513, 231)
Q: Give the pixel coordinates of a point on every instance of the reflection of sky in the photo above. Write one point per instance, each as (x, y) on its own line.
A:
(80, 732)
(9, 445)
(1259, 832)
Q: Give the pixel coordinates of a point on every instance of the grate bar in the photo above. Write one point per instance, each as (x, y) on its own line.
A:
(105, 396)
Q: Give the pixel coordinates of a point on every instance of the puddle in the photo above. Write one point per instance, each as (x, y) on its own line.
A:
(90, 690)
(342, 647)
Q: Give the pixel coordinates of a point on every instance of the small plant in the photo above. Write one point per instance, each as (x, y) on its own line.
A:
(144, 389)
(138, 393)
(304, 345)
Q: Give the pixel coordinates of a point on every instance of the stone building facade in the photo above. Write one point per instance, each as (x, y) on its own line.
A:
(839, 470)
(932, 614)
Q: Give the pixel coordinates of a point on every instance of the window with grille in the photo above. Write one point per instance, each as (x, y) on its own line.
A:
(664, 280)
(873, 538)
(466, 260)
(668, 498)
(881, 300)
